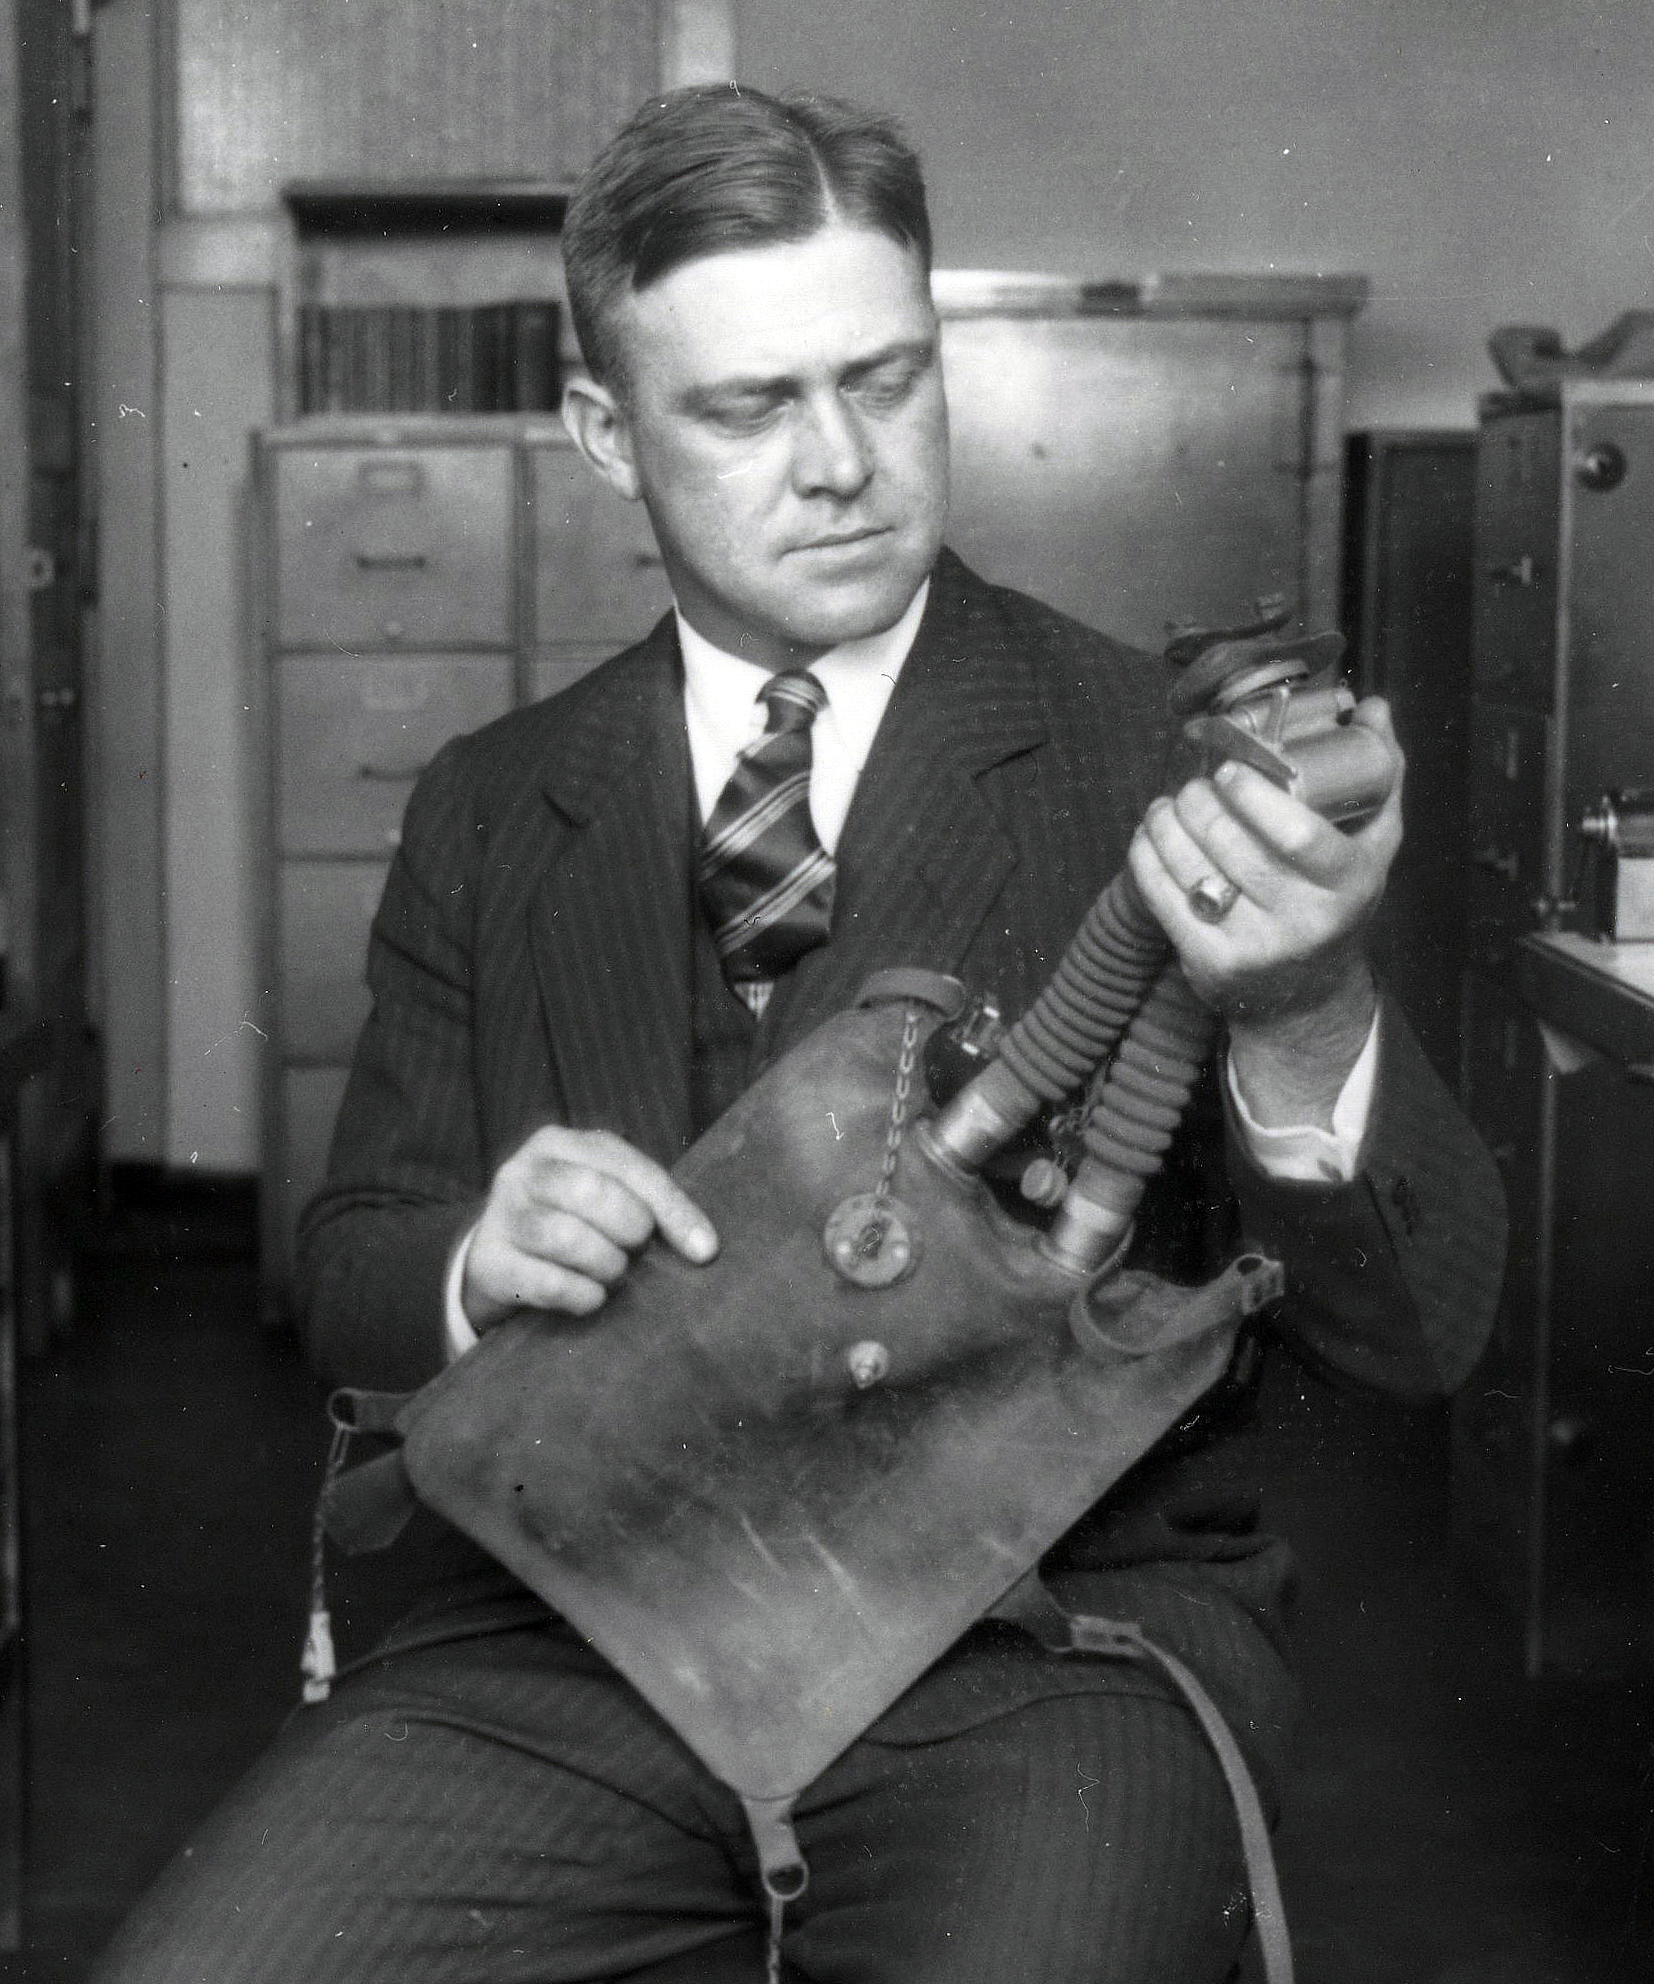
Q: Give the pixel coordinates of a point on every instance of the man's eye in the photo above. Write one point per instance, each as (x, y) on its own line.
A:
(888, 385)
(742, 416)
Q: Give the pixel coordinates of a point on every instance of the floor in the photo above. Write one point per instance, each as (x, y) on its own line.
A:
(1451, 1823)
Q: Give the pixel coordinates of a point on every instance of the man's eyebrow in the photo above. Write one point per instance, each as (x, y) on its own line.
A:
(776, 385)
(904, 348)
(756, 385)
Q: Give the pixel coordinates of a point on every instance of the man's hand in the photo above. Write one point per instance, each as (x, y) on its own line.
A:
(564, 1216)
(1286, 966)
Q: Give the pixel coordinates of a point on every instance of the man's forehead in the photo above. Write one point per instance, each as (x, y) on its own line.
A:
(841, 294)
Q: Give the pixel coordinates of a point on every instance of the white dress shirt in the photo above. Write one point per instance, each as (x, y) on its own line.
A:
(723, 714)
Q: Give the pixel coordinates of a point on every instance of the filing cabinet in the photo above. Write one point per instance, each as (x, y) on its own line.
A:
(412, 580)
(1553, 1443)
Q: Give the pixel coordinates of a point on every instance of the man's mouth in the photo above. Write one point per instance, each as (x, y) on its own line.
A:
(841, 540)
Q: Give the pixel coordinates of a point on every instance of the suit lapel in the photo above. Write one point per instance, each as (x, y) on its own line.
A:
(923, 856)
(610, 920)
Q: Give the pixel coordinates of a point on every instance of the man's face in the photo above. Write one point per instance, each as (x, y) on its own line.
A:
(782, 417)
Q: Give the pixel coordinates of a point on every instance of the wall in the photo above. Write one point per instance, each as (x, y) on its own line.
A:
(1484, 161)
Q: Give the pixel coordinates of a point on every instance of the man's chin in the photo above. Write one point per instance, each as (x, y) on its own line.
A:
(832, 615)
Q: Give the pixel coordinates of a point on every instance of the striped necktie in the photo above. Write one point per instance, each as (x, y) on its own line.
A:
(765, 878)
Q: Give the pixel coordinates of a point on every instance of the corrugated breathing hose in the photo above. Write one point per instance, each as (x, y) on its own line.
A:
(1144, 1091)
(1117, 1009)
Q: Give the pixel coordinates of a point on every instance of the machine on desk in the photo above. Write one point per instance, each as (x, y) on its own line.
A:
(1618, 835)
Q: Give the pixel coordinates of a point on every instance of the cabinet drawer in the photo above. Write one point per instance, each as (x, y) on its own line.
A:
(1518, 466)
(354, 731)
(395, 547)
(1508, 746)
(326, 908)
(597, 569)
(552, 669)
(1504, 1070)
(310, 1100)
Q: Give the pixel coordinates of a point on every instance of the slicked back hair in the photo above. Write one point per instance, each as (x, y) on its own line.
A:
(717, 167)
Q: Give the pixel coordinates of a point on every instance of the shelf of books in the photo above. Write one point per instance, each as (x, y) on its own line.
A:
(426, 297)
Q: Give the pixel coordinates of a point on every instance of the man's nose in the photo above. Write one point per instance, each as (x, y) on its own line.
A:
(831, 454)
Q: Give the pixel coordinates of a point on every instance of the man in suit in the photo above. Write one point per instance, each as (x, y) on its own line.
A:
(564, 996)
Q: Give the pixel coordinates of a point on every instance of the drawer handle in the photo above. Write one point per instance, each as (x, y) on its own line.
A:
(392, 561)
(391, 478)
(391, 774)
(1496, 863)
(1520, 572)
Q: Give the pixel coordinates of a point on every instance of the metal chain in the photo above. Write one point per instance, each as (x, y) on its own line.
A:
(337, 1447)
(899, 1114)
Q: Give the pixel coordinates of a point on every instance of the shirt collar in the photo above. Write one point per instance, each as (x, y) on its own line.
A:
(859, 677)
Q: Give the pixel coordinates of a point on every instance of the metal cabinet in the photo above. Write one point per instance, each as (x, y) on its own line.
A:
(413, 580)
(1553, 1441)
(1138, 453)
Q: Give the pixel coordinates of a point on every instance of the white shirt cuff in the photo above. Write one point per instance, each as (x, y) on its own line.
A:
(1303, 1152)
(457, 1332)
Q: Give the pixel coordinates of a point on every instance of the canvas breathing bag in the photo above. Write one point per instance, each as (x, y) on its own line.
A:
(773, 1493)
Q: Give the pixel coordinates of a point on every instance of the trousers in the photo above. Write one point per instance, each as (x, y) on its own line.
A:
(505, 1809)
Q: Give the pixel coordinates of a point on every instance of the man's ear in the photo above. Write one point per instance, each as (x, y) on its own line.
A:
(598, 427)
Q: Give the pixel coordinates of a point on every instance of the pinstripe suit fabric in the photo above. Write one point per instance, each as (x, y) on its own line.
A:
(523, 1819)
(532, 961)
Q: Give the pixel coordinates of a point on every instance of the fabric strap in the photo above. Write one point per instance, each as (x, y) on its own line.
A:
(1033, 1606)
(765, 879)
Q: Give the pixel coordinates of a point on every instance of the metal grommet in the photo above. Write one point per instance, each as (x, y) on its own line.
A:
(872, 1243)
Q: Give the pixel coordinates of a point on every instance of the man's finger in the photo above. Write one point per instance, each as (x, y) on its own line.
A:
(1373, 713)
(680, 1221)
(1285, 827)
(1227, 847)
(501, 1277)
(1165, 894)
(575, 1188)
(1184, 858)
(567, 1240)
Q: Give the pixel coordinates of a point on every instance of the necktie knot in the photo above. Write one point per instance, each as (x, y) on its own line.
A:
(794, 701)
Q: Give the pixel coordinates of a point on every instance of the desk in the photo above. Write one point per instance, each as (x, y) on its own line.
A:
(24, 1051)
(1554, 1436)
(1601, 994)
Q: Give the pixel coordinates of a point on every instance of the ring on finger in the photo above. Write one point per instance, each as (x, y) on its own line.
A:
(1212, 897)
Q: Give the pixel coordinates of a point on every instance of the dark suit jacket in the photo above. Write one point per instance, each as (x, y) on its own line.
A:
(531, 962)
